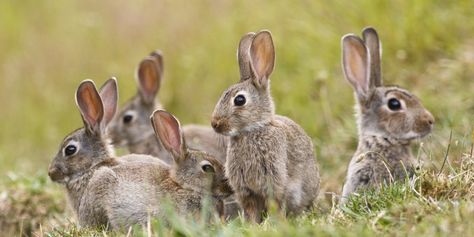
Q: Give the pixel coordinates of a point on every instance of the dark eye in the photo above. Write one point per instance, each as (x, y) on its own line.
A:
(239, 100)
(394, 104)
(127, 118)
(70, 150)
(208, 168)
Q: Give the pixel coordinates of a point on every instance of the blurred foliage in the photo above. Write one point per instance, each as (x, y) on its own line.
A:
(48, 47)
(28, 203)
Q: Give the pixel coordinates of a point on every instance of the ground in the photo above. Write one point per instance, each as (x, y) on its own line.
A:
(428, 47)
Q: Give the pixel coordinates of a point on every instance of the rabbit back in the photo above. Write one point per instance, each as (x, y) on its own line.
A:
(303, 172)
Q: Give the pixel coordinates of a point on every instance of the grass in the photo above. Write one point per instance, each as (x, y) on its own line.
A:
(49, 47)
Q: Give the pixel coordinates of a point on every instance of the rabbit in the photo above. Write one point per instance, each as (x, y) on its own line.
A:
(193, 170)
(269, 157)
(131, 127)
(388, 117)
(117, 192)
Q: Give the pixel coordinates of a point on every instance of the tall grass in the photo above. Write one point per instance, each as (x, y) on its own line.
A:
(48, 47)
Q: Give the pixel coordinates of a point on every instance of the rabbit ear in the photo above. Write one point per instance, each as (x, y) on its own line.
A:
(262, 57)
(159, 59)
(90, 105)
(355, 63)
(168, 130)
(109, 94)
(244, 57)
(149, 76)
(372, 42)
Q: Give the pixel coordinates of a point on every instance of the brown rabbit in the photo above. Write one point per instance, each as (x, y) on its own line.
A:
(269, 156)
(131, 127)
(119, 192)
(388, 117)
(193, 170)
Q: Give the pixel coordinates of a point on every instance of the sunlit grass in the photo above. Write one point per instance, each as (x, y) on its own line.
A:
(48, 47)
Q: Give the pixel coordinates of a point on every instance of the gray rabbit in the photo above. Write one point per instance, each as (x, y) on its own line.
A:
(269, 156)
(388, 117)
(131, 127)
(105, 190)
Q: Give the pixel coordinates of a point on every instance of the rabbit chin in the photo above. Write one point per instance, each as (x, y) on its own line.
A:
(249, 128)
(414, 135)
(411, 135)
(232, 132)
(64, 180)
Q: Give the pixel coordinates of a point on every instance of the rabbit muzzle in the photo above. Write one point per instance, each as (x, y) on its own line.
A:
(222, 191)
(424, 123)
(56, 174)
(220, 125)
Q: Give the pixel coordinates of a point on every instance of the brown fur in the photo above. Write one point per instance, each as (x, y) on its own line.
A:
(138, 134)
(118, 192)
(383, 154)
(269, 156)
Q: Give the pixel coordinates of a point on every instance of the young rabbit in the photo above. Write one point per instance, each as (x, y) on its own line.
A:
(194, 171)
(131, 127)
(269, 156)
(119, 192)
(388, 117)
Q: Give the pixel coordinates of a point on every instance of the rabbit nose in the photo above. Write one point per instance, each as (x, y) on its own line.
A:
(215, 123)
(54, 173)
(428, 118)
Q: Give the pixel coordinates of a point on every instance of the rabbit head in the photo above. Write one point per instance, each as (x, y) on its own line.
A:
(248, 105)
(87, 146)
(132, 123)
(193, 169)
(388, 111)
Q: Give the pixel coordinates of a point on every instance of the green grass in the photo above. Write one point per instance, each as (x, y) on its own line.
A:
(48, 47)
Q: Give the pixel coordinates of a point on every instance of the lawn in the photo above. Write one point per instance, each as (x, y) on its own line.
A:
(48, 47)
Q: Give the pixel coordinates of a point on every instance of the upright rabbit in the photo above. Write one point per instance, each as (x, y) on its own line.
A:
(119, 192)
(269, 156)
(132, 125)
(388, 117)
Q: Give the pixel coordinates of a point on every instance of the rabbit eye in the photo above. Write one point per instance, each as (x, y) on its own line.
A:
(207, 168)
(394, 104)
(127, 118)
(239, 100)
(70, 150)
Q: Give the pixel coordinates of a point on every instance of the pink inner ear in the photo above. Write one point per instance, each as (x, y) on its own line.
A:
(355, 64)
(262, 54)
(148, 75)
(169, 132)
(90, 104)
(357, 67)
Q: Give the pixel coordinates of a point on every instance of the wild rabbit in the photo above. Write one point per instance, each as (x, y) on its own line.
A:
(132, 128)
(269, 156)
(119, 192)
(388, 117)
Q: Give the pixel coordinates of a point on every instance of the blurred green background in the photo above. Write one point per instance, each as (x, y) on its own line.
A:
(48, 47)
